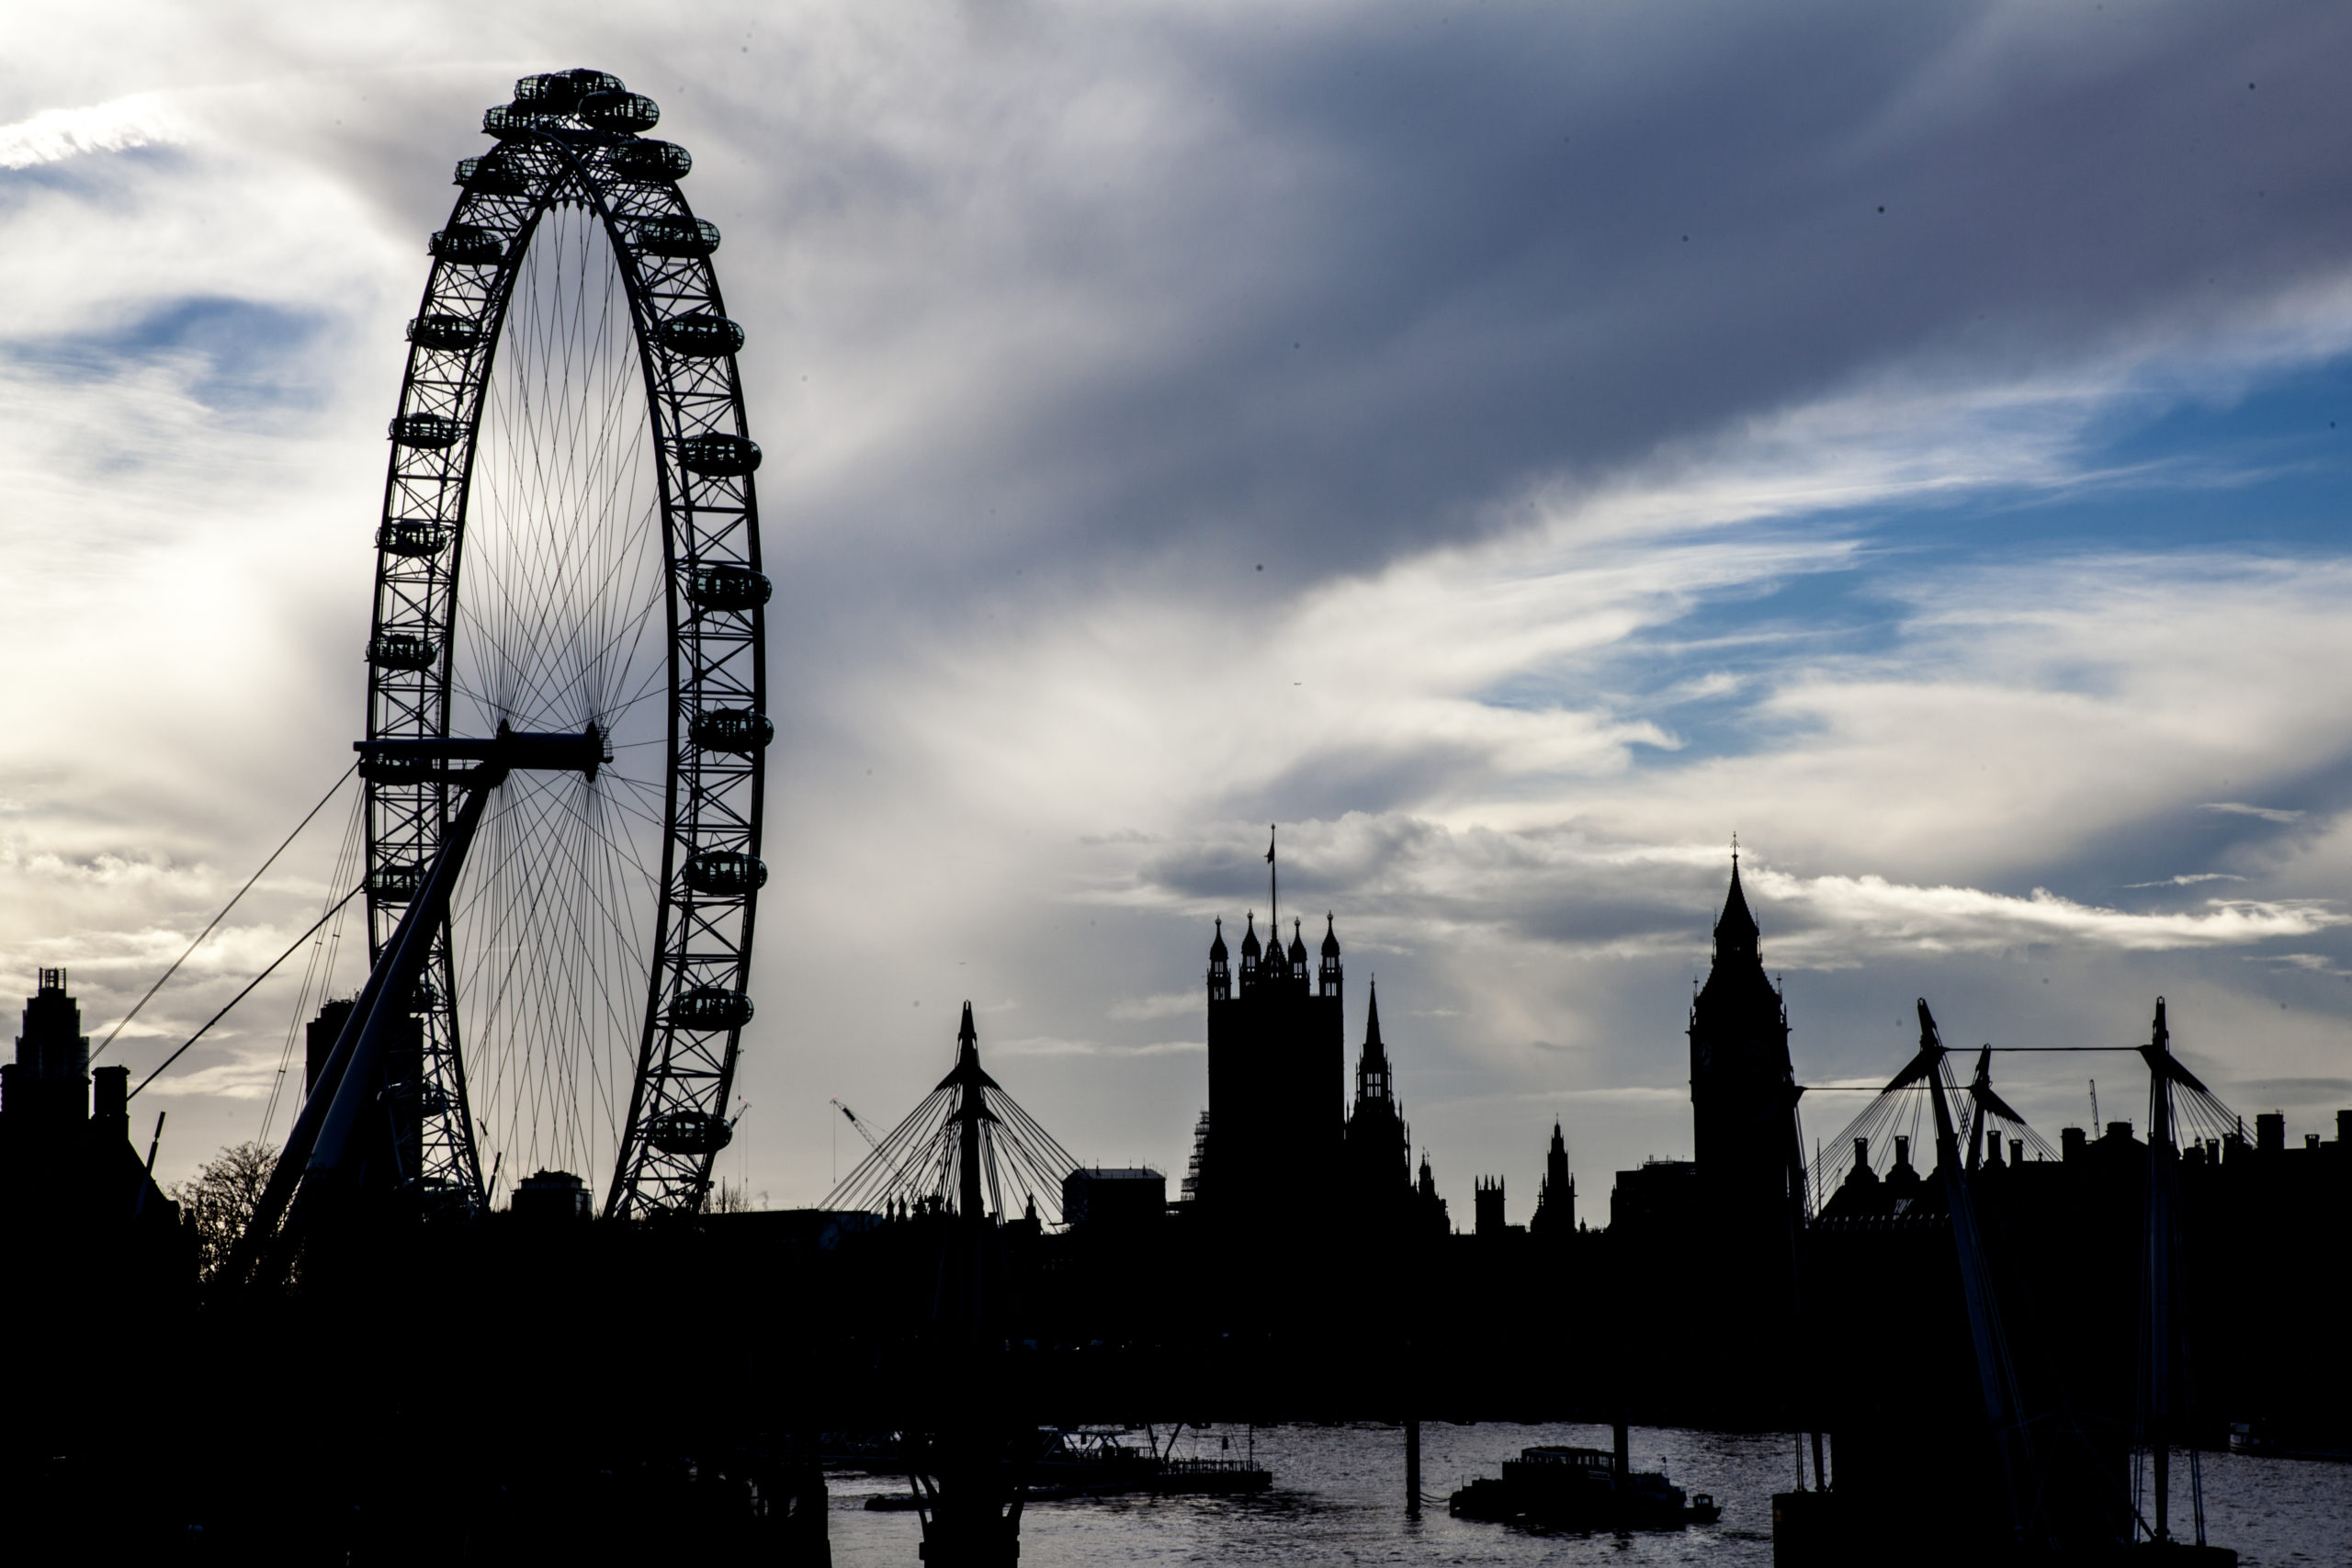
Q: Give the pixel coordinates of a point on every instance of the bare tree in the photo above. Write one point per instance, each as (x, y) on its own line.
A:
(727, 1198)
(220, 1200)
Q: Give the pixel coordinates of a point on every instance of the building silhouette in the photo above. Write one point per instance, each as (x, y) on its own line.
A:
(80, 1211)
(1272, 1152)
(70, 1168)
(1750, 1176)
(1379, 1171)
(1429, 1208)
(1556, 1201)
(1486, 1197)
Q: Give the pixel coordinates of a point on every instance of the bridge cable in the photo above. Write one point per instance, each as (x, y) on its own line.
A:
(241, 996)
(223, 914)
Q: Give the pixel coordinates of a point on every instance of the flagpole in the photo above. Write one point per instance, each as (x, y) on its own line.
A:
(1273, 887)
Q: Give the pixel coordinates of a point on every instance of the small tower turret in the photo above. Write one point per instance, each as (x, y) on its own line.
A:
(1556, 1201)
(1251, 971)
(1330, 977)
(1486, 1205)
(1373, 1083)
(1297, 956)
(1220, 971)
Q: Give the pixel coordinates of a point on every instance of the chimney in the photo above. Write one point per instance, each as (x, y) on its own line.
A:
(112, 1099)
(319, 1039)
(2072, 1143)
(2270, 1131)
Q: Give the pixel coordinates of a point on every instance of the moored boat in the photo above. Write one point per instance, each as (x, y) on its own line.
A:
(1573, 1488)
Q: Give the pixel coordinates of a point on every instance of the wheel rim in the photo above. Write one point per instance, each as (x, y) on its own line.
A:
(569, 536)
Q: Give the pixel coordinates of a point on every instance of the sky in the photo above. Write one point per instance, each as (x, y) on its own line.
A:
(1515, 447)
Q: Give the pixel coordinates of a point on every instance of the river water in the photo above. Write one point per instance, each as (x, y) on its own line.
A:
(1339, 1496)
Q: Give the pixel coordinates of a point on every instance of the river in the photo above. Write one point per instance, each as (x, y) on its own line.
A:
(1339, 1496)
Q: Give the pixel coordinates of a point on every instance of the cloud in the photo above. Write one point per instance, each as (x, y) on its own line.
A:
(2189, 879)
(2267, 813)
(1883, 914)
(1167, 1004)
(1049, 1046)
(2309, 963)
(143, 119)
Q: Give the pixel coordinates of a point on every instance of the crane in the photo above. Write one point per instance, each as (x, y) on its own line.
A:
(870, 1141)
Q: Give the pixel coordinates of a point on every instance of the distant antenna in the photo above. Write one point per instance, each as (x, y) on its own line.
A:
(2094, 1120)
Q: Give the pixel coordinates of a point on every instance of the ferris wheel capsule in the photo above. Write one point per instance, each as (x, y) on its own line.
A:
(726, 873)
(490, 175)
(659, 161)
(701, 334)
(503, 120)
(468, 244)
(675, 237)
(719, 455)
(401, 651)
(432, 432)
(727, 587)
(689, 1132)
(738, 730)
(413, 538)
(445, 331)
(396, 882)
(711, 1007)
(562, 92)
(627, 113)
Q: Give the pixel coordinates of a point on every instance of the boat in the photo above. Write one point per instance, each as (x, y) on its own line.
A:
(2264, 1439)
(1210, 1477)
(1572, 1488)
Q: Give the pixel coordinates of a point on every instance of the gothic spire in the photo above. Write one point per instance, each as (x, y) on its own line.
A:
(1735, 931)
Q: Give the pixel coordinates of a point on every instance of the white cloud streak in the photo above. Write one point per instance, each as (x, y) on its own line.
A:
(2239, 808)
(143, 119)
(1870, 912)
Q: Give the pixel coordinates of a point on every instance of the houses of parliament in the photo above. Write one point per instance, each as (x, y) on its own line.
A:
(1282, 1143)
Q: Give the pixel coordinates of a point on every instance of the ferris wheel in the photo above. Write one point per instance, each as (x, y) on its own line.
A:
(568, 572)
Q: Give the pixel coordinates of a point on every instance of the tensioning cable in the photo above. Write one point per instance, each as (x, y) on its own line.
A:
(241, 996)
(223, 914)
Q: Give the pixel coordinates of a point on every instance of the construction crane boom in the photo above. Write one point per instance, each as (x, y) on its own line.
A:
(871, 1142)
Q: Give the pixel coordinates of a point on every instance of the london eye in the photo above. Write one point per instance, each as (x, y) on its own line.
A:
(568, 593)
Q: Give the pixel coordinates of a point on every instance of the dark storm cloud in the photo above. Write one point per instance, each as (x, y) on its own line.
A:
(1416, 254)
